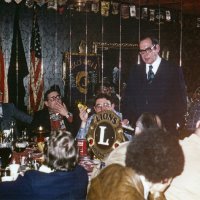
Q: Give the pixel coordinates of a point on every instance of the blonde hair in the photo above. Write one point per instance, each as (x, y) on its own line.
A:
(116, 182)
(60, 153)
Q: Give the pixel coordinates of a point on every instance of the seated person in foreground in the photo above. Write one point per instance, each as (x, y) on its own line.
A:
(102, 102)
(10, 113)
(55, 115)
(153, 158)
(187, 185)
(64, 179)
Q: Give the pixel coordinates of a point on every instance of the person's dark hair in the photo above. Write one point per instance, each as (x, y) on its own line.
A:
(60, 152)
(149, 120)
(156, 154)
(152, 38)
(104, 96)
(53, 88)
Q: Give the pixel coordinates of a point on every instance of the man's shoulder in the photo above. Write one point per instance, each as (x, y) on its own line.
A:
(8, 105)
(41, 112)
(168, 64)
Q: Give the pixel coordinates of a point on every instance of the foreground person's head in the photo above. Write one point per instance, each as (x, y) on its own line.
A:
(156, 155)
(60, 152)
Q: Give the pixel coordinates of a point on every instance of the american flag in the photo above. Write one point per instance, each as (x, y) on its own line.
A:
(36, 70)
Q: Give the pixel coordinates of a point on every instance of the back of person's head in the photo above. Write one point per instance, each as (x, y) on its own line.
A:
(60, 152)
(116, 182)
(106, 88)
(155, 154)
(146, 121)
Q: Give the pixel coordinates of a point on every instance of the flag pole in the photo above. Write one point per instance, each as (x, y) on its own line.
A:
(17, 68)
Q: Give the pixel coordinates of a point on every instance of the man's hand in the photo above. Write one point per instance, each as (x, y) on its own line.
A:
(61, 108)
(83, 114)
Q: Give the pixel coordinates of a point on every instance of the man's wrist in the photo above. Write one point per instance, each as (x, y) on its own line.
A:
(68, 115)
(83, 124)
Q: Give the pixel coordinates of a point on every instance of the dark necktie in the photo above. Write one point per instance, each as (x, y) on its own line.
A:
(150, 75)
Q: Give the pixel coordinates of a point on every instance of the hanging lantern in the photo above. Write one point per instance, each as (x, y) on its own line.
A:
(95, 6)
(29, 3)
(115, 8)
(105, 7)
(132, 10)
(79, 5)
(41, 2)
(52, 4)
(8, 1)
(198, 22)
(18, 1)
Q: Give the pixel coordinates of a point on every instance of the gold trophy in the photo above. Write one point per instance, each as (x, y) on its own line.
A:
(82, 106)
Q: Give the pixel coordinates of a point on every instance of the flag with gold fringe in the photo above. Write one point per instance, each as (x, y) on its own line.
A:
(36, 86)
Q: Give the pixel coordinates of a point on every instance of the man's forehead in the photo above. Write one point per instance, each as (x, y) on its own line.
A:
(102, 100)
(54, 93)
(146, 41)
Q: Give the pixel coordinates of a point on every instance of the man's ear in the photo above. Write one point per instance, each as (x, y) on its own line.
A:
(46, 103)
(157, 47)
(113, 106)
(198, 124)
(161, 186)
(167, 180)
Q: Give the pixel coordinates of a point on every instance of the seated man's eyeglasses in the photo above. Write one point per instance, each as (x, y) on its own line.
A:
(53, 98)
(147, 50)
(104, 105)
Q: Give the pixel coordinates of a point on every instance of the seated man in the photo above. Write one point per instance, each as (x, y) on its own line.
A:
(55, 115)
(64, 180)
(102, 102)
(187, 185)
(153, 158)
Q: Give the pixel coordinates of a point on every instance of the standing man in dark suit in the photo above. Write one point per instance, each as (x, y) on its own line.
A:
(156, 86)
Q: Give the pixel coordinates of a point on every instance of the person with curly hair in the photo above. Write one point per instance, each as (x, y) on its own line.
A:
(157, 157)
(59, 178)
(153, 159)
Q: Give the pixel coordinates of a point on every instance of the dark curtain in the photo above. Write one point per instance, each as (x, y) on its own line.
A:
(18, 67)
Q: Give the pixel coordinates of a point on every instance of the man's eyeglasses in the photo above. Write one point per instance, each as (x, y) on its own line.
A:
(147, 50)
(53, 98)
(104, 105)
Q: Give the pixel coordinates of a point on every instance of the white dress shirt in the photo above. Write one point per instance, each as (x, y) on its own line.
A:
(155, 65)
